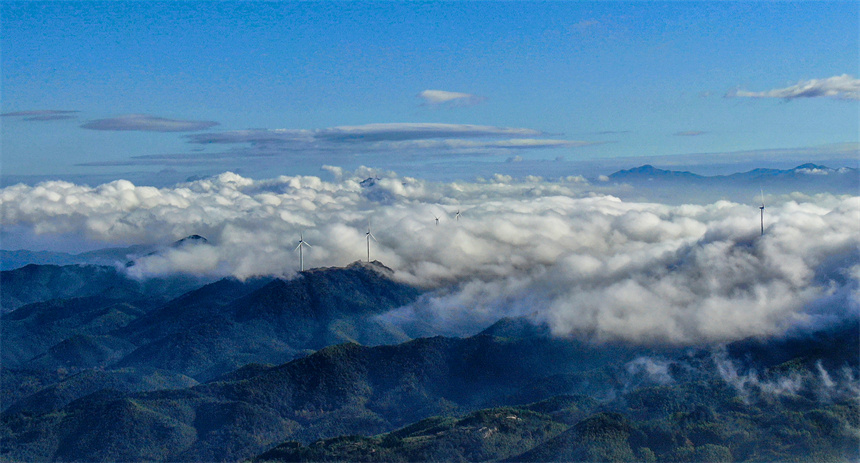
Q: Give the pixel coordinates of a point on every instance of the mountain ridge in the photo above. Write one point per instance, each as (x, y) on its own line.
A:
(808, 170)
(457, 387)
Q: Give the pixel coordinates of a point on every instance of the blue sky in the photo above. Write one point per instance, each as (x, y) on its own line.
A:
(554, 85)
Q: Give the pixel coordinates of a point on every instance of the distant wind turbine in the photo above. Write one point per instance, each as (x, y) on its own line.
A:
(761, 208)
(437, 220)
(457, 215)
(369, 235)
(302, 242)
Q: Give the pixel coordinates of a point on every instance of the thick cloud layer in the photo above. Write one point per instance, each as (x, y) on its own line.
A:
(586, 263)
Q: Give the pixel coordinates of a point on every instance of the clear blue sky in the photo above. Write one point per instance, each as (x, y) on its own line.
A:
(601, 80)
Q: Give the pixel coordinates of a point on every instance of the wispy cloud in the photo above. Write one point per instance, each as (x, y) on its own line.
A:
(362, 133)
(844, 87)
(395, 142)
(43, 115)
(584, 26)
(407, 131)
(146, 123)
(689, 133)
(405, 138)
(450, 99)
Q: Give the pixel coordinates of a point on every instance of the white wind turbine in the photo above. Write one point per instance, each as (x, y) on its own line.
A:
(369, 235)
(302, 242)
(437, 219)
(761, 208)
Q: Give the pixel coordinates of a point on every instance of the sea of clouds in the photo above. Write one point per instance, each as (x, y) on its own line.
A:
(563, 252)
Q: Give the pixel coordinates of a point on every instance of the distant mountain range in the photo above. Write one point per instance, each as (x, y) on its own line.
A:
(10, 260)
(303, 370)
(79, 317)
(42, 283)
(808, 172)
(807, 178)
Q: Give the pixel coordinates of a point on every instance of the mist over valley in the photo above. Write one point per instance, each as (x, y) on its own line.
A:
(552, 306)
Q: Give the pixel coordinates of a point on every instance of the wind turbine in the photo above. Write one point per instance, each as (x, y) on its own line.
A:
(369, 236)
(302, 242)
(761, 208)
(437, 220)
(457, 215)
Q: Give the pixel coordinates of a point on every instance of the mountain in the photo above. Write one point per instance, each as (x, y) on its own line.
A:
(649, 172)
(18, 258)
(184, 243)
(87, 382)
(283, 370)
(203, 333)
(487, 435)
(191, 239)
(651, 183)
(33, 329)
(227, 324)
(697, 414)
(39, 283)
(809, 172)
(707, 429)
(477, 398)
(13, 259)
(343, 389)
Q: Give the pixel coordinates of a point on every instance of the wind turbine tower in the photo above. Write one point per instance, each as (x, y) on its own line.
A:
(761, 208)
(302, 242)
(369, 235)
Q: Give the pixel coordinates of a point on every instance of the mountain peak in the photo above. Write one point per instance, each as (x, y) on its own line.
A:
(375, 266)
(369, 182)
(191, 239)
(810, 165)
(648, 170)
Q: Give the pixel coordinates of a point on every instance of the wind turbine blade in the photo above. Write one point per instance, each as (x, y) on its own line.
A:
(762, 197)
(299, 245)
(371, 235)
(307, 244)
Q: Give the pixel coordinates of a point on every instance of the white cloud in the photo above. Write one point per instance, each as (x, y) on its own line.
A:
(442, 97)
(827, 386)
(586, 263)
(656, 370)
(843, 87)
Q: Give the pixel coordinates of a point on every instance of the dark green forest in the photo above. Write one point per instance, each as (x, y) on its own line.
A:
(302, 370)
